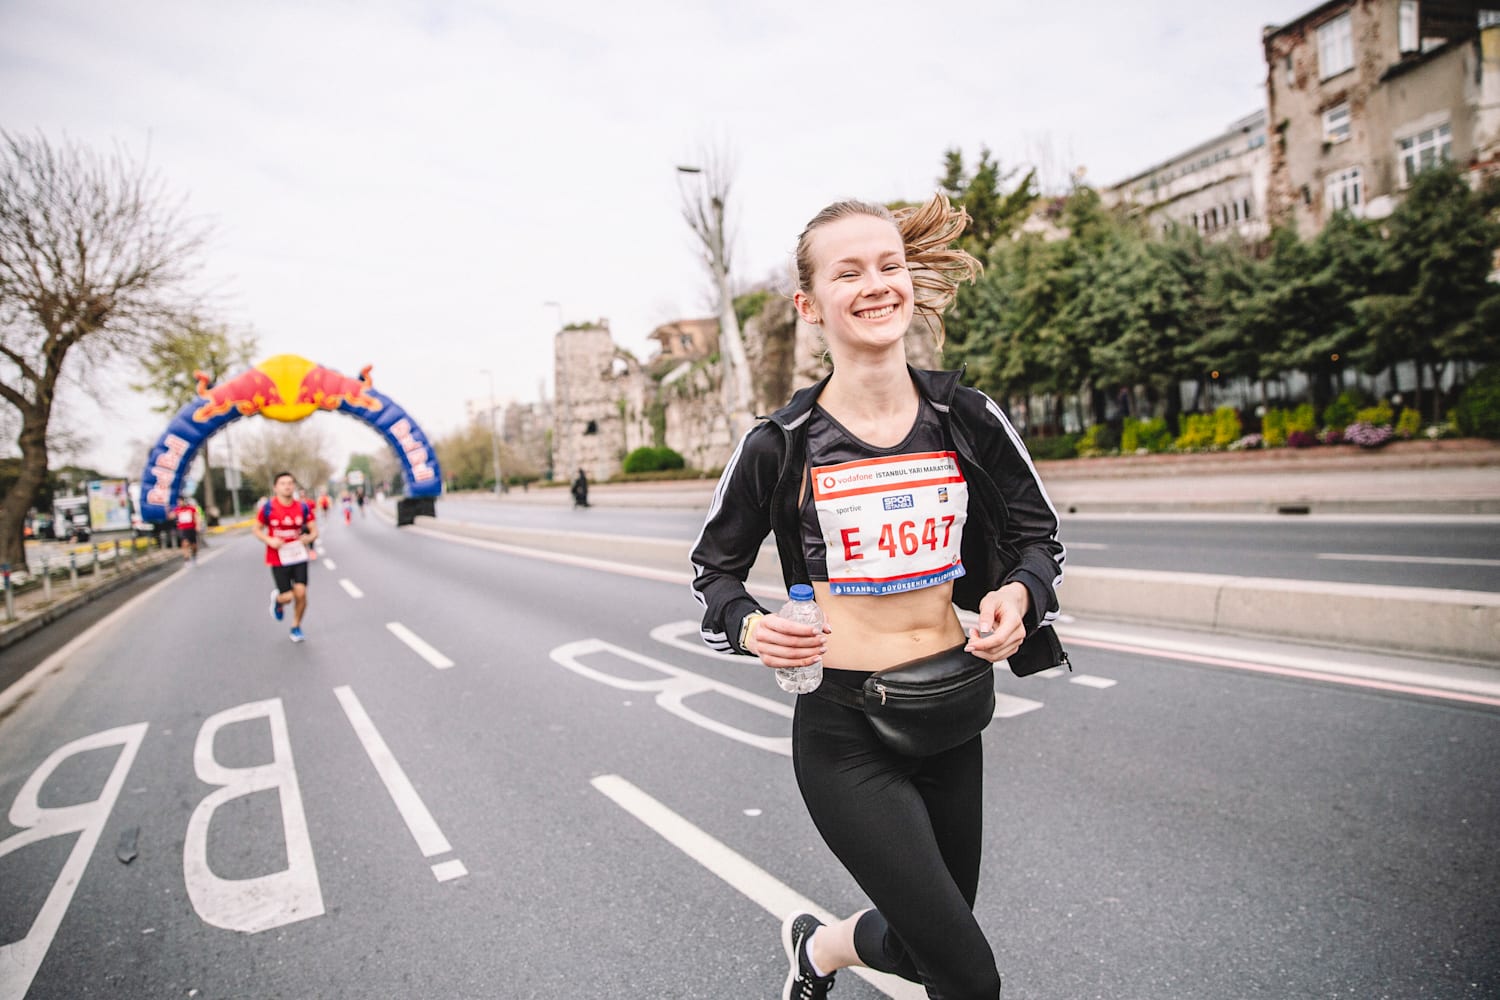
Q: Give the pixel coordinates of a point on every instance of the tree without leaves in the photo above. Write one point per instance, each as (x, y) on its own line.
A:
(91, 255)
(298, 448)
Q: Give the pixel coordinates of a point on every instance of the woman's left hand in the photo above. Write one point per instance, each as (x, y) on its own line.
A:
(1002, 623)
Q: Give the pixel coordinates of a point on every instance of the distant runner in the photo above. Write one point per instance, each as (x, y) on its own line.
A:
(186, 517)
(288, 528)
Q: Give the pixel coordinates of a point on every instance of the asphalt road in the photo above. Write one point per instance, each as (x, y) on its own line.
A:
(1459, 552)
(585, 803)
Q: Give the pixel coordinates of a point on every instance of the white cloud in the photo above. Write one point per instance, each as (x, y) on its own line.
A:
(406, 184)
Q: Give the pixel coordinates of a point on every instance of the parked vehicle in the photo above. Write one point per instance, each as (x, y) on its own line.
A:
(70, 519)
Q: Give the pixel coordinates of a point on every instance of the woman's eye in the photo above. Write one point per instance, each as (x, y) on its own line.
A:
(895, 267)
(848, 274)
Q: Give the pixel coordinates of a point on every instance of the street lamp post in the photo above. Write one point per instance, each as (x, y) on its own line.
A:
(494, 437)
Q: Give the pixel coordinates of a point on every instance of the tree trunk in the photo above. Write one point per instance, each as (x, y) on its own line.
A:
(18, 500)
(208, 482)
(1437, 395)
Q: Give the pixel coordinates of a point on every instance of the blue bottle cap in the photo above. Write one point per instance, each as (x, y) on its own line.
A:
(800, 592)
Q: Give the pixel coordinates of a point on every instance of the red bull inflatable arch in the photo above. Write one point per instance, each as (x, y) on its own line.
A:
(287, 388)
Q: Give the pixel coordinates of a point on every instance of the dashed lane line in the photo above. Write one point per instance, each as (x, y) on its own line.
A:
(350, 588)
(418, 646)
(743, 875)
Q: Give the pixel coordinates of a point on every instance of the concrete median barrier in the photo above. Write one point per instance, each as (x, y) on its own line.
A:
(1421, 621)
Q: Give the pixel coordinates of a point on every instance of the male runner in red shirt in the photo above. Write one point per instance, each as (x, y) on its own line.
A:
(288, 528)
(185, 515)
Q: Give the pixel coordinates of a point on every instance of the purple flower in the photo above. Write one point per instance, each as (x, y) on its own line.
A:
(1367, 435)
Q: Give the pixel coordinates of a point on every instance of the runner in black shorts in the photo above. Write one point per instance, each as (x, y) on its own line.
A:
(289, 529)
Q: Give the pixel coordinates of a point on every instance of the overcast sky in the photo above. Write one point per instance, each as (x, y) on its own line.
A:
(406, 184)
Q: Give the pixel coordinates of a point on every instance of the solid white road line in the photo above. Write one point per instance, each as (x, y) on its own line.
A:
(1424, 560)
(419, 647)
(752, 881)
(350, 588)
(424, 829)
(1282, 665)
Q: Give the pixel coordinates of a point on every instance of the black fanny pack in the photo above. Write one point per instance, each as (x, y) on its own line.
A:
(936, 703)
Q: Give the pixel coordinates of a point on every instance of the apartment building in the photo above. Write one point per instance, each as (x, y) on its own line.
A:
(1217, 187)
(1362, 95)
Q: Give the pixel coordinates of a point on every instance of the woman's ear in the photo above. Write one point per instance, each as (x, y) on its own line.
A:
(805, 308)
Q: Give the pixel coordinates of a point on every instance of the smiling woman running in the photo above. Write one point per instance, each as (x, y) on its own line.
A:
(906, 827)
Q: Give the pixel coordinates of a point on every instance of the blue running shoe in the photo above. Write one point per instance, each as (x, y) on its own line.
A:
(276, 610)
(297, 635)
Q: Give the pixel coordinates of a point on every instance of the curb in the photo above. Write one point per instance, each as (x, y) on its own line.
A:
(1417, 621)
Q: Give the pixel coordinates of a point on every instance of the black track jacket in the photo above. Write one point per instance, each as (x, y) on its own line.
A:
(1011, 532)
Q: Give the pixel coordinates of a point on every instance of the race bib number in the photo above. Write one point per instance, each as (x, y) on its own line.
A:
(292, 553)
(892, 524)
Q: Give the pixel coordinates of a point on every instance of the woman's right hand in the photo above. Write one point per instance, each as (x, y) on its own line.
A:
(782, 644)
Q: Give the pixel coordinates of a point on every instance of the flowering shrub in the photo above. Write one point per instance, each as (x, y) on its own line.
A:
(1138, 436)
(1409, 424)
(1301, 439)
(1379, 415)
(1344, 409)
(1367, 435)
(1303, 418)
(1248, 442)
(1331, 435)
(1197, 432)
(1227, 426)
(1273, 427)
(1099, 439)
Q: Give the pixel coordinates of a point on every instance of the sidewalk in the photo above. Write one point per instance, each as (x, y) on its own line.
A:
(1411, 477)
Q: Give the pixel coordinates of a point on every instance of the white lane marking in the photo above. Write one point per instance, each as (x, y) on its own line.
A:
(1087, 545)
(20, 960)
(446, 871)
(1089, 680)
(1468, 520)
(1008, 706)
(1305, 668)
(419, 647)
(262, 902)
(350, 588)
(673, 690)
(743, 875)
(673, 634)
(603, 565)
(1423, 560)
(424, 829)
(329, 564)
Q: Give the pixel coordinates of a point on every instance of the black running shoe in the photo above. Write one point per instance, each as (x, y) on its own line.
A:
(801, 983)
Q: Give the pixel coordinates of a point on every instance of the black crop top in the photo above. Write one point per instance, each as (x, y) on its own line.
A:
(893, 515)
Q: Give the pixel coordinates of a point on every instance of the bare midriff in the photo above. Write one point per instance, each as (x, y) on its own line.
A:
(879, 632)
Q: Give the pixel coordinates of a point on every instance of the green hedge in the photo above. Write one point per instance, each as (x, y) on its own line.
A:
(652, 460)
(1478, 411)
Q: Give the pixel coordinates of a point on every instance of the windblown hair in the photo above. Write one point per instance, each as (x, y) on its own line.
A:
(927, 231)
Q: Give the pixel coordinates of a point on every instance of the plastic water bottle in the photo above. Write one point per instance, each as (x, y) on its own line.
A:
(801, 608)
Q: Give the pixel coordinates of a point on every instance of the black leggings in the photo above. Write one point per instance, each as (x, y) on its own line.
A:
(908, 830)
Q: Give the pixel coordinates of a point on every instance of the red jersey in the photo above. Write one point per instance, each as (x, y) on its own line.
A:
(186, 515)
(284, 521)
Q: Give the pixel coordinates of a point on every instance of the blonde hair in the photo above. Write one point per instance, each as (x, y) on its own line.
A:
(927, 231)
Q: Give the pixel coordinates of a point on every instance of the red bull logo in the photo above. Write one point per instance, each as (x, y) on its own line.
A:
(326, 389)
(249, 392)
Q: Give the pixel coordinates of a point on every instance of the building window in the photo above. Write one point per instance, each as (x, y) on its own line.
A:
(1489, 19)
(1407, 39)
(1247, 208)
(1423, 150)
(1335, 47)
(1344, 192)
(1291, 75)
(1336, 124)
